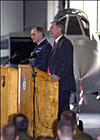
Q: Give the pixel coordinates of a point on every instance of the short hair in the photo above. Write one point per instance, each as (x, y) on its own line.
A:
(9, 132)
(61, 25)
(21, 123)
(40, 29)
(69, 115)
(65, 127)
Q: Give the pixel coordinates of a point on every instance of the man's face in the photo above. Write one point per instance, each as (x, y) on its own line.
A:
(54, 30)
(35, 35)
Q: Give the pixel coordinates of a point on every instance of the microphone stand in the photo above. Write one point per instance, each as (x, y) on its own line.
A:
(34, 76)
(6, 61)
(25, 60)
(9, 59)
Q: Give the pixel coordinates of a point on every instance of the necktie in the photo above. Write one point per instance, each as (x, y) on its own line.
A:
(54, 44)
(48, 70)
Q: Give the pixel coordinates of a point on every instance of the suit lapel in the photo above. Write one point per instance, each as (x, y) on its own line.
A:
(55, 47)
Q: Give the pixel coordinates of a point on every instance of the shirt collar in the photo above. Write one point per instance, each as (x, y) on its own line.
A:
(58, 38)
(41, 41)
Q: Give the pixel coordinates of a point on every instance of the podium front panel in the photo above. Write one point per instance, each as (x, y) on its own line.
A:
(46, 105)
(46, 100)
(25, 94)
(9, 90)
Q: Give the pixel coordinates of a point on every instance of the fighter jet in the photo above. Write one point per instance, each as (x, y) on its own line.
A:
(86, 51)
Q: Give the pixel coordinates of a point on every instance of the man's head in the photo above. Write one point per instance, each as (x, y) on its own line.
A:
(65, 129)
(37, 34)
(9, 132)
(56, 29)
(21, 123)
(69, 115)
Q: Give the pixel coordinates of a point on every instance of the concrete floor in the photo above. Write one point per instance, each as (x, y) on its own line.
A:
(91, 123)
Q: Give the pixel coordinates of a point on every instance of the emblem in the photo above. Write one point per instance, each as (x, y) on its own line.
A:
(24, 84)
(3, 81)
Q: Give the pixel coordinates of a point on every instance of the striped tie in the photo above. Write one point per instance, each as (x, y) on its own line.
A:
(54, 44)
(48, 70)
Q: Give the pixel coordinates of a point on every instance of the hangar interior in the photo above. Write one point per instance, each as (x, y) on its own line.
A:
(21, 16)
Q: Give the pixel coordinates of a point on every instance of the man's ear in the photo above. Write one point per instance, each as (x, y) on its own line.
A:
(59, 29)
(40, 33)
(17, 138)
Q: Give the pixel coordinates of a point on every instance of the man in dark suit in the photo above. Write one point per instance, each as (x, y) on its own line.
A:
(61, 65)
(42, 49)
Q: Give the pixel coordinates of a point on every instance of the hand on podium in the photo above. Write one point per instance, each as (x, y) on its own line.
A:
(54, 78)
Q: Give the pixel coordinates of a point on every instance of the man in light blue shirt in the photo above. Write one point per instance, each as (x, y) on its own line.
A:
(65, 130)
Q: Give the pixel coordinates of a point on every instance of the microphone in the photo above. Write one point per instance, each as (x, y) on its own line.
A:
(33, 55)
(15, 54)
(12, 57)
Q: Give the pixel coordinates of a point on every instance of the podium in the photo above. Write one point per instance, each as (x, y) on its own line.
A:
(9, 88)
(46, 100)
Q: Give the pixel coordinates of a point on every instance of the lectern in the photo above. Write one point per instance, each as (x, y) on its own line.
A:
(46, 100)
(9, 88)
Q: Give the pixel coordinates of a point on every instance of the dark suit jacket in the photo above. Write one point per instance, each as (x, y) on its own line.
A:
(42, 52)
(61, 63)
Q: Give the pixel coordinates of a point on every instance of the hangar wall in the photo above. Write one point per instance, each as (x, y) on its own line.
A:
(23, 15)
(11, 16)
(35, 14)
(92, 9)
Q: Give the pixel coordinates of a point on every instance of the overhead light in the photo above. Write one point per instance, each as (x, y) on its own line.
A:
(98, 97)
